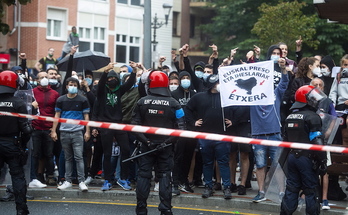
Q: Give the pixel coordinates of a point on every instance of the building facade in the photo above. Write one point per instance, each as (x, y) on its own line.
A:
(114, 27)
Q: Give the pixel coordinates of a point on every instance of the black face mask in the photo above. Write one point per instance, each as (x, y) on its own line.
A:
(112, 83)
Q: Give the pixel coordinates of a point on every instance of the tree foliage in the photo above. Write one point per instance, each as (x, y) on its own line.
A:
(4, 27)
(243, 23)
(333, 39)
(285, 22)
(232, 24)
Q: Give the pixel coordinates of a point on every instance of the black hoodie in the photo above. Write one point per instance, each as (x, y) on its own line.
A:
(277, 71)
(196, 83)
(180, 94)
(102, 111)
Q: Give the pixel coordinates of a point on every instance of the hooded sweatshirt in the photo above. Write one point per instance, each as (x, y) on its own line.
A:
(328, 80)
(182, 96)
(277, 71)
(196, 83)
(107, 107)
(46, 98)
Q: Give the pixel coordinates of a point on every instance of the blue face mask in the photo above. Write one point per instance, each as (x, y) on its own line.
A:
(72, 89)
(122, 74)
(33, 83)
(199, 74)
(89, 81)
(275, 58)
(185, 83)
(52, 81)
(205, 76)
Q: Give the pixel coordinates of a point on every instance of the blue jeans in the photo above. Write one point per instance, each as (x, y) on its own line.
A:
(263, 152)
(72, 144)
(211, 150)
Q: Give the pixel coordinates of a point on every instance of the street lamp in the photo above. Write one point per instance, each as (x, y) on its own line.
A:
(156, 25)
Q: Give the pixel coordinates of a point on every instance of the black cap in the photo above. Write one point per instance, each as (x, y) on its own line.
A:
(328, 61)
(112, 73)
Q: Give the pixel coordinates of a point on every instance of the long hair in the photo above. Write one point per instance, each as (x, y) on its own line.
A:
(303, 66)
(345, 57)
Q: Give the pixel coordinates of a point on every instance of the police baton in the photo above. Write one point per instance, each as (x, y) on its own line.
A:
(162, 146)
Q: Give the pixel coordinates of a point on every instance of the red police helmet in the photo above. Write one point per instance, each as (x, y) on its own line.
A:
(300, 95)
(303, 96)
(158, 83)
(158, 79)
(8, 82)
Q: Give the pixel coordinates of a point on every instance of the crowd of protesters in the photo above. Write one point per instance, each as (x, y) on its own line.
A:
(83, 154)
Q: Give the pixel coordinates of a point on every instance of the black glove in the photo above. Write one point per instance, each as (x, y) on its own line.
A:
(160, 147)
(320, 156)
(322, 168)
(152, 145)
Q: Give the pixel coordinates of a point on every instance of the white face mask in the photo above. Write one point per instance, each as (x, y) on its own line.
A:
(173, 87)
(325, 72)
(44, 82)
(316, 72)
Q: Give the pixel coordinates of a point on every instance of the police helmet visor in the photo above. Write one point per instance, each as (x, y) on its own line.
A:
(314, 97)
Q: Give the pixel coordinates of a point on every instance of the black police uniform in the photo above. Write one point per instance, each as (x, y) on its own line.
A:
(11, 129)
(301, 171)
(164, 112)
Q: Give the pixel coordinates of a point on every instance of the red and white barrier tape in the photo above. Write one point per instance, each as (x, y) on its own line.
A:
(183, 133)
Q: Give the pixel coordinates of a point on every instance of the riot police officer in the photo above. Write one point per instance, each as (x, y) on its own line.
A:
(158, 109)
(14, 135)
(304, 166)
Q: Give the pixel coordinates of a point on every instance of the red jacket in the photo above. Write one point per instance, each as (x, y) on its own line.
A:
(46, 98)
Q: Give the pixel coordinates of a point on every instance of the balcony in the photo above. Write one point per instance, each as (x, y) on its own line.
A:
(199, 3)
(334, 10)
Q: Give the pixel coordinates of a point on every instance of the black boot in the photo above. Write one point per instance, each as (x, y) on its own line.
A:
(167, 212)
(22, 212)
(9, 194)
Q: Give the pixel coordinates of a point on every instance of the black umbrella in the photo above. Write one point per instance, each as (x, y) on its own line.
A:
(89, 59)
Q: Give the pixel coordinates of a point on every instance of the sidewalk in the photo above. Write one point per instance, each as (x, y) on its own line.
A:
(194, 199)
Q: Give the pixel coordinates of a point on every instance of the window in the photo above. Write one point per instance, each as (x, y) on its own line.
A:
(132, 2)
(121, 53)
(134, 53)
(135, 2)
(97, 43)
(56, 22)
(192, 26)
(127, 48)
(175, 23)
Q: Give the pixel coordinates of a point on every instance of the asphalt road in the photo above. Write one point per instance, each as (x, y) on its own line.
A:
(61, 207)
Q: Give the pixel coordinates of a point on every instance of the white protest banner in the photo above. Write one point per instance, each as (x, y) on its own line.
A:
(247, 84)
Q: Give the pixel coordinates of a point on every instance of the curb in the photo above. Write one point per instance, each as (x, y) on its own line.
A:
(215, 202)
